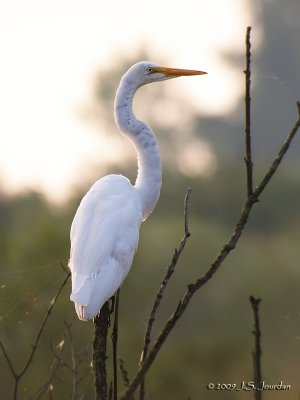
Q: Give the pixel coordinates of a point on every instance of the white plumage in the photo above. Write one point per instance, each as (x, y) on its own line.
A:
(105, 229)
(101, 256)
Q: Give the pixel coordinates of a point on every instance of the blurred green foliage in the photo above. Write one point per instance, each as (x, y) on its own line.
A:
(213, 340)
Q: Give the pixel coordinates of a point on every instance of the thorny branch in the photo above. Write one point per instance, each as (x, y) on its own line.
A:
(251, 199)
(160, 293)
(18, 376)
(256, 354)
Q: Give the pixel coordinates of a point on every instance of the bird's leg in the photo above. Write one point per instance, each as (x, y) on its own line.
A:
(114, 338)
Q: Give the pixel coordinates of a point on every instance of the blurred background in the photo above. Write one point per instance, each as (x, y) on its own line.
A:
(61, 62)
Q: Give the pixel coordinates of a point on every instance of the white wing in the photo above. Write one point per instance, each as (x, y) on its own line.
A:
(104, 237)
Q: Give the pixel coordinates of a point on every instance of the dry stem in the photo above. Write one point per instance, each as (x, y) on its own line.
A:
(256, 354)
(18, 376)
(251, 198)
(164, 283)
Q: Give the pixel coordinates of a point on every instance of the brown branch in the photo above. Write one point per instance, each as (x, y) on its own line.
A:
(114, 337)
(74, 362)
(54, 367)
(123, 371)
(160, 293)
(184, 302)
(67, 271)
(18, 376)
(57, 357)
(248, 157)
(227, 248)
(34, 346)
(101, 324)
(256, 354)
(12, 370)
(225, 251)
(277, 160)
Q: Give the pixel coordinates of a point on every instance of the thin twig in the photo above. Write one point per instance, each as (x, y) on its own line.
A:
(248, 157)
(67, 271)
(55, 365)
(57, 357)
(123, 371)
(114, 337)
(256, 354)
(12, 370)
(81, 355)
(74, 363)
(77, 358)
(34, 347)
(160, 293)
(18, 376)
(279, 157)
(184, 302)
(101, 324)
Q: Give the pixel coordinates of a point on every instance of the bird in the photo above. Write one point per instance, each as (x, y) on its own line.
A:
(105, 230)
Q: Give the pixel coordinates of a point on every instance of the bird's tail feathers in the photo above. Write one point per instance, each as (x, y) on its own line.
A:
(81, 289)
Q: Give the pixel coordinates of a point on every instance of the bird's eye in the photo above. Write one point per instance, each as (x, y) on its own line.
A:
(149, 70)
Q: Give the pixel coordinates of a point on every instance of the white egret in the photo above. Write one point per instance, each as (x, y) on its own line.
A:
(105, 229)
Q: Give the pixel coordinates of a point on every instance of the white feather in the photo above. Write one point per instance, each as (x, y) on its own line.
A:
(104, 238)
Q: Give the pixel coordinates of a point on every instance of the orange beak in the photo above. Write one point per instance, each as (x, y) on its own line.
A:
(174, 72)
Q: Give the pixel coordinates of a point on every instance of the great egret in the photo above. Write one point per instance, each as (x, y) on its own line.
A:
(105, 229)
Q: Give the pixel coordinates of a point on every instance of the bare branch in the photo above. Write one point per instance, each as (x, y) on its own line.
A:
(101, 324)
(12, 370)
(248, 157)
(74, 363)
(114, 337)
(58, 358)
(186, 212)
(18, 376)
(256, 354)
(160, 293)
(55, 365)
(277, 160)
(224, 252)
(123, 371)
(40, 331)
(67, 271)
(78, 375)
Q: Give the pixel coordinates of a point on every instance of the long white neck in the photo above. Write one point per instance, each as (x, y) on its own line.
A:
(148, 181)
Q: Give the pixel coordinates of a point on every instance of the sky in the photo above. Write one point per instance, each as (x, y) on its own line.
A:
(51, 51)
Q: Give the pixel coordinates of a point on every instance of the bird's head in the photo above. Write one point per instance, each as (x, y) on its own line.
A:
(146, 72)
